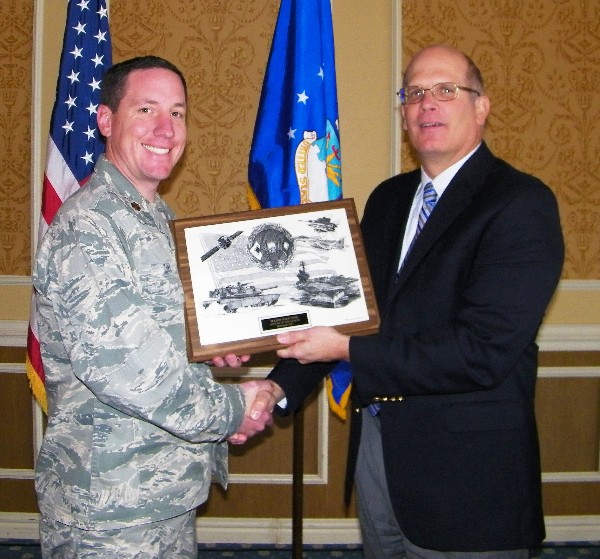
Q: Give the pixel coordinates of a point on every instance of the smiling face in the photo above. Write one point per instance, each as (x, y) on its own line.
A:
(443, 132)
(146, 135)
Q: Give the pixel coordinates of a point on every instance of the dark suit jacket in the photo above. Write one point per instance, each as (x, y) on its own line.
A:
(456, 356)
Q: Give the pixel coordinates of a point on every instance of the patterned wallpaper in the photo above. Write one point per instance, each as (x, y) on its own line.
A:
(540, 60)
(16, 30)
(222, 49)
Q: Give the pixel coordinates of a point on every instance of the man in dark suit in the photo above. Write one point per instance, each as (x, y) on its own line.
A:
(448, 465)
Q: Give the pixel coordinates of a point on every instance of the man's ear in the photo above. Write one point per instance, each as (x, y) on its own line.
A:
(482, 108)
(104, 119)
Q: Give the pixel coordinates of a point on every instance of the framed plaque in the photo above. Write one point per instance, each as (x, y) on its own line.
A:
(249, 276)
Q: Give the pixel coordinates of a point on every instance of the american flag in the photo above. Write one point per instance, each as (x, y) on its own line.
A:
(74, 143)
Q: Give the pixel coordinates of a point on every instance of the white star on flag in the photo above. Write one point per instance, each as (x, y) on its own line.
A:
(71, 102)
(95, 84)
(88, 158)
(97, 60)
(74, 77)
(302, 97)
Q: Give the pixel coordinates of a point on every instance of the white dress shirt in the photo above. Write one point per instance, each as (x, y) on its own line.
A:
(440, 183)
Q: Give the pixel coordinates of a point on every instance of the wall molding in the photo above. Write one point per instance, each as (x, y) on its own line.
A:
(15, 280)
(17, 473)
(315, 531)
(13, 333)
(320, 477)
(396, 74)
(568, 372)
(37, 163)
(579, 285)
(569, 337)
(552, 337)
(12, 368)
(571, 476)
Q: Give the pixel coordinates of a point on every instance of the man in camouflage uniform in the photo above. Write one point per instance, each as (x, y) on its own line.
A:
(135, 432)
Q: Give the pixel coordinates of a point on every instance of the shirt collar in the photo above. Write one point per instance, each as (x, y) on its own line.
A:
(441, 182)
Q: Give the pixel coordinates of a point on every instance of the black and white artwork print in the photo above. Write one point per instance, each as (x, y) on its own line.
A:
(257, 277)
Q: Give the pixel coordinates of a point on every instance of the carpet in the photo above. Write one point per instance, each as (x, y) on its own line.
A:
(583, 550)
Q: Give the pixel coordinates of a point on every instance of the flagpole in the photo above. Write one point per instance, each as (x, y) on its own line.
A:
(296, 131)
(298, 483)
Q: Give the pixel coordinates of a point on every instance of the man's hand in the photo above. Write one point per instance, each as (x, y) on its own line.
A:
(320, 343)
(229, 360)
(260, 401)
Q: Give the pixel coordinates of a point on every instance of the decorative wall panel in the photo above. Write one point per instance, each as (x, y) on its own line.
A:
(222, 49)
(16, 30)
(541, 64)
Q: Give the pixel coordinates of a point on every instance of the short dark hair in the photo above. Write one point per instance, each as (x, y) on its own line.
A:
(115, 79)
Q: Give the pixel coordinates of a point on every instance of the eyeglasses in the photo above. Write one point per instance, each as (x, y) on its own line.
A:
(446, 91)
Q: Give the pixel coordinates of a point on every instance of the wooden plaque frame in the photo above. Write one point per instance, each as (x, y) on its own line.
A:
(281, 245)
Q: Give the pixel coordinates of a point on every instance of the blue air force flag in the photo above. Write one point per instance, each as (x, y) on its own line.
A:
(295, 156)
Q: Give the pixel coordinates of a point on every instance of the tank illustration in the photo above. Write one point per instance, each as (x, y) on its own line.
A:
(237, 295)
(325, 291)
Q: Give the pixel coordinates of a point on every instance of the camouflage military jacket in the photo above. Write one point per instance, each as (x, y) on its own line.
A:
(135, 432)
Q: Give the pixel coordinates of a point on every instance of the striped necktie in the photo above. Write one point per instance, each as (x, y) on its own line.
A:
(429, 201)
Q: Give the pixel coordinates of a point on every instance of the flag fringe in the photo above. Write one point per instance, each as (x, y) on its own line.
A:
(339, 408)
(37, 386)
(253, 202)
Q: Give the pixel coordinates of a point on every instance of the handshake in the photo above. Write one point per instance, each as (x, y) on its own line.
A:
(319, 343)
(261, 397)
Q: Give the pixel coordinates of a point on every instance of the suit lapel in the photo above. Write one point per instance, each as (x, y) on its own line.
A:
(396, 219)
(457, 196)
